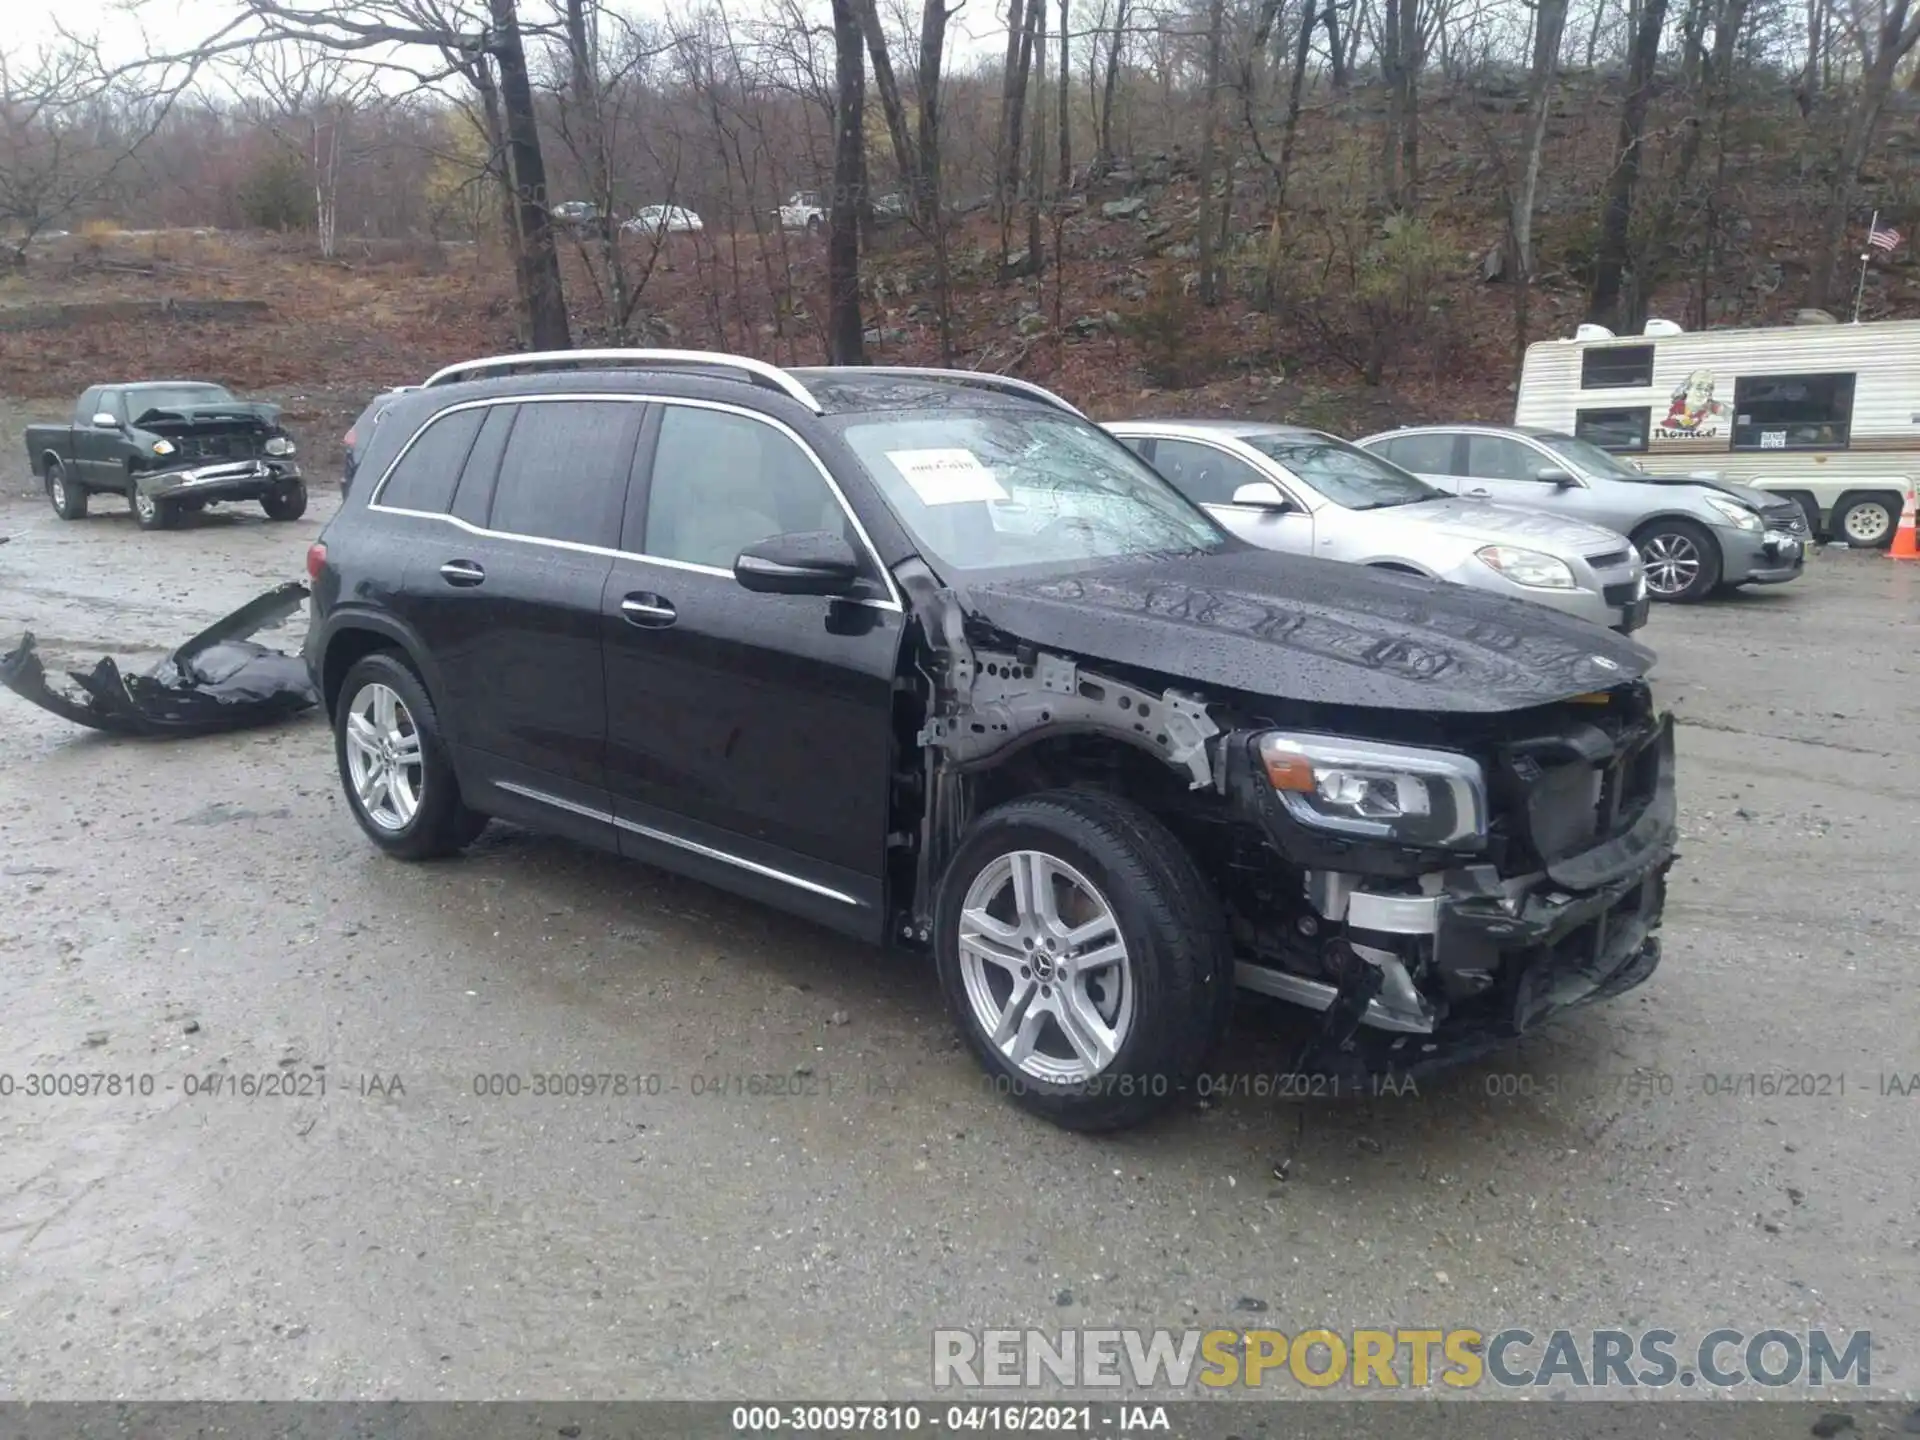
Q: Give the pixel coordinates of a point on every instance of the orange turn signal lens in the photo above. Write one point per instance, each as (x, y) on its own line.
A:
(1289, 772)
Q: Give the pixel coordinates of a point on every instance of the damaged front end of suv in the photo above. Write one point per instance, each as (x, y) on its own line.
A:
(1433, 822)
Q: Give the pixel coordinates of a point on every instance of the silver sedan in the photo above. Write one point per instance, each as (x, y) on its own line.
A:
(1287, 488)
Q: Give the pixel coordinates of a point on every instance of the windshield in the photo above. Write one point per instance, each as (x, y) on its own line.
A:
(1345, 474)
(997, 490)
(149, 398)
(1590, 457)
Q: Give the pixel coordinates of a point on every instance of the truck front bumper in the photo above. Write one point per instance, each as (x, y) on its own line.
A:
(227, 480)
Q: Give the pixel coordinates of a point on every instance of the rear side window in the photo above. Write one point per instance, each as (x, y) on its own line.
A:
(564, 474)
(425, 477)
(1792, 412)
(1614, 429)
(1422, 454)
(1617, 367)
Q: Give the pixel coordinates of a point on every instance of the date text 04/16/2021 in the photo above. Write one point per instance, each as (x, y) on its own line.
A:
(1109, 1419)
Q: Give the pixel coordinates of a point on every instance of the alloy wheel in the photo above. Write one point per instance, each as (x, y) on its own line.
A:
(1672, 561)
(144, 504)
(1867, 523)
(384, 762)
(1045, 967)
(57, 491)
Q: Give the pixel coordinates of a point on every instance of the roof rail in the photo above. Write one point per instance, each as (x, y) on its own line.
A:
(985, 379)
(758, 372)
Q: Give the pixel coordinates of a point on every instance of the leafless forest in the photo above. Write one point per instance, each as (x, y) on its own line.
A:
(1386, 190)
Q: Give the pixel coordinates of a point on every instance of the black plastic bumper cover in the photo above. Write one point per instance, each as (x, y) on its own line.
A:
(219, 680)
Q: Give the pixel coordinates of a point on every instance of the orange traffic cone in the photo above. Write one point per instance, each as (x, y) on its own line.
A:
(1903, 547)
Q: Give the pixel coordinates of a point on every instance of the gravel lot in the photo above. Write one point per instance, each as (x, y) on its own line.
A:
(209, 906)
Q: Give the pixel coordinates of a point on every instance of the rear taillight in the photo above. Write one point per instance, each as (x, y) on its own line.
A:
(316, 560)
(347, 439)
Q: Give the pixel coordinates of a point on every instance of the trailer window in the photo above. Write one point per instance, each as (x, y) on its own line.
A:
(1792, 412)
(1620, 430)
(1617, 367)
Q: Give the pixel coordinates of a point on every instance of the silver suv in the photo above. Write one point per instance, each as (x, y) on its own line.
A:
(1697, 535)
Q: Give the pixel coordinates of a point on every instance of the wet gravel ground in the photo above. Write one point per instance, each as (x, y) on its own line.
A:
(208, 909)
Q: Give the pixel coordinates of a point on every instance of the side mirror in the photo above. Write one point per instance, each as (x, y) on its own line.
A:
(814, 562)
(1559, 479)
(106, 420)
(1262, 493)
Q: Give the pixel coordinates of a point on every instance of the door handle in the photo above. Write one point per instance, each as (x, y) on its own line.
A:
(462, 572)
(1479, 494)
(648, 610)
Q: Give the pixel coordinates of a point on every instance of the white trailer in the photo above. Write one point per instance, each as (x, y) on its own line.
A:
(1828, 414)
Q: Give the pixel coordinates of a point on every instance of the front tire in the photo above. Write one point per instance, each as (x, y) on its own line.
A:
(395, 766)
(285, 502)
(1682, 558)
(1084, 957)
(69, 501)
(149, 513)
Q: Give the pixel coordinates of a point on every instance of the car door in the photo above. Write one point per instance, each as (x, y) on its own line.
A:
(750, 737)
(99, 451)
(1208, 475)
(1506, 470)
(504, 591)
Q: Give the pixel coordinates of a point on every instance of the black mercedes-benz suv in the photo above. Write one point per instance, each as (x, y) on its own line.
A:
(928, 657)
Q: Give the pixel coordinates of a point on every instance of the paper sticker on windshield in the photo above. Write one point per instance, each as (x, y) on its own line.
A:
(946, 477)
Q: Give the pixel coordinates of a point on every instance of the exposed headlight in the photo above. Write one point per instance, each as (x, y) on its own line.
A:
(278, 445)
(1527, 567)
(1735, 513)
(163, 447)
(1399, 793)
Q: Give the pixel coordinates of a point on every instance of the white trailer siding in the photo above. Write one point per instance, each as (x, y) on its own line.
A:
(1687, 406)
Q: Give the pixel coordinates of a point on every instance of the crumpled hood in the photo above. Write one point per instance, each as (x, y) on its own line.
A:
(1760, 500)
(1294, 628)
(188, 419)
(1509, 524)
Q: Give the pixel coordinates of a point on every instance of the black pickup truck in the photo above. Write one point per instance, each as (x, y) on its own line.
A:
(169, 446)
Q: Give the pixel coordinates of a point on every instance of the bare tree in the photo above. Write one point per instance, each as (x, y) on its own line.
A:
(312, 96)
(1209, 148)
(1608, 305)
(846, 343)
(1550, 19)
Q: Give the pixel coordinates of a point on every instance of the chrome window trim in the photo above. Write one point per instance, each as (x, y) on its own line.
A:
(664, 837)
(892, 603)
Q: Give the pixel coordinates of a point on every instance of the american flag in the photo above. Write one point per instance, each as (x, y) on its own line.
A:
(1883, 237)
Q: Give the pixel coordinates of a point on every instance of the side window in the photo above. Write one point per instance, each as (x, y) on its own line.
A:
(1616, 367)
(1792, 412)
(114, 402)
(430, 468)
(722, 482)
(564, 474)
(474, 498)
(1622, 430)
(1423, 454)
(1499, 457)
(1203, 474)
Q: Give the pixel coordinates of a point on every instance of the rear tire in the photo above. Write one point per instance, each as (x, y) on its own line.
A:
(150, 513)
(394, 764)
(1866, 522)
(69, 501)
(1108, 1045)
(286, 502)
(1683, 560)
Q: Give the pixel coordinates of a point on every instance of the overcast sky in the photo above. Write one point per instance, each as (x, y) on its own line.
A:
(168, 25)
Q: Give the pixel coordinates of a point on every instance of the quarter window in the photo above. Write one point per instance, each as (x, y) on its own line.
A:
(722, 482)
(1203, 474)
(1618, 430)
(564, 474)
(1792, 412)
(426, 475)
(1616, 367)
